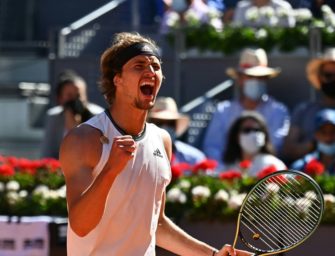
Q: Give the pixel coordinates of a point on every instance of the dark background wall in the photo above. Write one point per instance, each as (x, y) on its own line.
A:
(22, 20)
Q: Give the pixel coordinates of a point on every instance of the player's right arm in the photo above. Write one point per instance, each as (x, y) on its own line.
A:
(80, 152)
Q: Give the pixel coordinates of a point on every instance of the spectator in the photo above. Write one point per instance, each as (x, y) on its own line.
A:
(249, 141)
(315, 6)
(324, 153)
(251, 78)
(179, 12)
(226, 7)
(229, 10)
(72, 109)
(165, 115)
(260, 13)
(321, 74)
(296, 4)
(216, 4)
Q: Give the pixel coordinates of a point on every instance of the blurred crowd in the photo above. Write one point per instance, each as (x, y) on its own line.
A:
(252, 127)
(248, 133)
(255, 13)
(253, 131)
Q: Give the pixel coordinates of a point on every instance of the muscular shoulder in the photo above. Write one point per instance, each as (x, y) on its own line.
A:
(81, 145)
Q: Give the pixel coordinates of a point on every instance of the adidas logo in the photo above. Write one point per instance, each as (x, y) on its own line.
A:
(158, 153)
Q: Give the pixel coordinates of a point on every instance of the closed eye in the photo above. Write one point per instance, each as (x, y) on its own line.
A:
(139, 66)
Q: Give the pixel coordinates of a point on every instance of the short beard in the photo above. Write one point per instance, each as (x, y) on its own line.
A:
(139, 105)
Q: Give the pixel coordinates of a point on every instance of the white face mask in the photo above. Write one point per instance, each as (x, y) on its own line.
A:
(251, 142)
(254, 88)
(179, 5)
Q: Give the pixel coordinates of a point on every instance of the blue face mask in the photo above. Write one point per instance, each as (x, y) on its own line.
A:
(327, 149)
(254, 88)
(179, 5)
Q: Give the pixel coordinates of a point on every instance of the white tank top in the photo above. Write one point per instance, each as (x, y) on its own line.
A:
(129, 222)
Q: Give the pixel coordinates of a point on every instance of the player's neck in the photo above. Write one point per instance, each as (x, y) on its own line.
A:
(131, 122)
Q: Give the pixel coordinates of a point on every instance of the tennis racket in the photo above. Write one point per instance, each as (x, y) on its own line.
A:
(279, 213)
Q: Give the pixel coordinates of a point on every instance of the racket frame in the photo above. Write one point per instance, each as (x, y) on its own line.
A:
(282, 172)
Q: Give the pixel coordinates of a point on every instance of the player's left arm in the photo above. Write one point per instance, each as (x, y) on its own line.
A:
(172, 238)
(169, 236)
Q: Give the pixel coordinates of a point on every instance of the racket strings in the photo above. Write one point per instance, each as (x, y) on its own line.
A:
(281, 216)
(269, 237)
(299, 187)
(314, 206)
(264, 241)
(280, 223)
(274, 235)
(288, 205)
(275, 225)
(298, 194)
(274, 232)
(263, 228)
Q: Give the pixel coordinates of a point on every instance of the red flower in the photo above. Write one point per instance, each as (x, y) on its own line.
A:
(6, 170)
(266, 171)
(2, 159)
(12, 161)
(178, 169)
(50, 164)
(27, 166)
(205, 165)
(31, 167)
(245, 164)
(230, 175)
(314, 167)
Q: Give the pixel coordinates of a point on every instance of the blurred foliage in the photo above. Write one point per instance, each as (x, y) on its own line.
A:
(232, 39)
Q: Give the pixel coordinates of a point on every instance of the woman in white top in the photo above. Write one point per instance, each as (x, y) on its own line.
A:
(260, 13)
(249, 148)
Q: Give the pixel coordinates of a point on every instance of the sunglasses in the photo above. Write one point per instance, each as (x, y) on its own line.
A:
(328, 75)
(250, 129)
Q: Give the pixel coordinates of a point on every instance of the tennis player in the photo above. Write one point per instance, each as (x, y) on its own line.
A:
(117, 168)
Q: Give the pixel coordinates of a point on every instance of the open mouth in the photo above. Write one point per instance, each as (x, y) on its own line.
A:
(147, 89)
